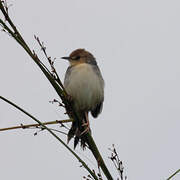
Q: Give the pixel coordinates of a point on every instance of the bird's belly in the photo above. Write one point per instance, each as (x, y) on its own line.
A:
(85, 87)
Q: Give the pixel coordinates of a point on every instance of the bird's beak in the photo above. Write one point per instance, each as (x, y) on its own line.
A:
(67, 58)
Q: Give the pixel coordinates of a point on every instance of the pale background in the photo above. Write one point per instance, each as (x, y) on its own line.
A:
(137, 46)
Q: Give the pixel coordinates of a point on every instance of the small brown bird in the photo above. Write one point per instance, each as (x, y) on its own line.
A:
(85, 85)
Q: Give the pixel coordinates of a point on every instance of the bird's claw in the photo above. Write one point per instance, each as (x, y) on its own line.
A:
(87, 129)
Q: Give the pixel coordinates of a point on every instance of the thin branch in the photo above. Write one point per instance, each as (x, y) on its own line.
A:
(43, 48)
(36, 125)
(58, 88)
(4, 10)
(117, 162)
(51, 132)
(173, 174)
(16, 35)
(97, 155)
(58, 131)
(41, 129)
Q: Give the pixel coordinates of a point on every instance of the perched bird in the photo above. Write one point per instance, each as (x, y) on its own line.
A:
(85, 85)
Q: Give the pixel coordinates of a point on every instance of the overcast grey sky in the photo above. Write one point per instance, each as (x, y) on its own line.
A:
(137, 46)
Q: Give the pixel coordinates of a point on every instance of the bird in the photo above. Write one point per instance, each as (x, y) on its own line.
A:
(84, 84)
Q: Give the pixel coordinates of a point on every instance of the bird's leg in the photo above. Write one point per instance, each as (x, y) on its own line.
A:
(86, 123)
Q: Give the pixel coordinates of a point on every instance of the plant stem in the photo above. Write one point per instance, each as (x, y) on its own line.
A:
(97, 155)
(36, 125)
(45, 127)
(173, 174)
(58, 88)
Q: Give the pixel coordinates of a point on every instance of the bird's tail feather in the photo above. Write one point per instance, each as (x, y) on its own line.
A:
(76, 131)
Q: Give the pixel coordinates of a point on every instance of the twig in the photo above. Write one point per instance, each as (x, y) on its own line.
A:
(52, 133)
(41, 129)
(117, 162)
(43, 48)
(36, 125)
(173, 174)
(60, 91)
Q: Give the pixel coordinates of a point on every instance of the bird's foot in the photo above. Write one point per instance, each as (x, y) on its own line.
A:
(87, 128)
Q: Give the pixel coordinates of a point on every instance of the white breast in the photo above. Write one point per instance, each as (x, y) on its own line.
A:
(85, 86)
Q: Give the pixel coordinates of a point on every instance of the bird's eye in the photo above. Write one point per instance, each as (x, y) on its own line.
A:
(76, 58)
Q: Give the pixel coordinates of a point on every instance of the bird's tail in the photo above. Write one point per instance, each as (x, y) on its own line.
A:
(78, 131)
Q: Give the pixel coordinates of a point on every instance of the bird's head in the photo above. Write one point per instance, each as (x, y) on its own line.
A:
(80, 56)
